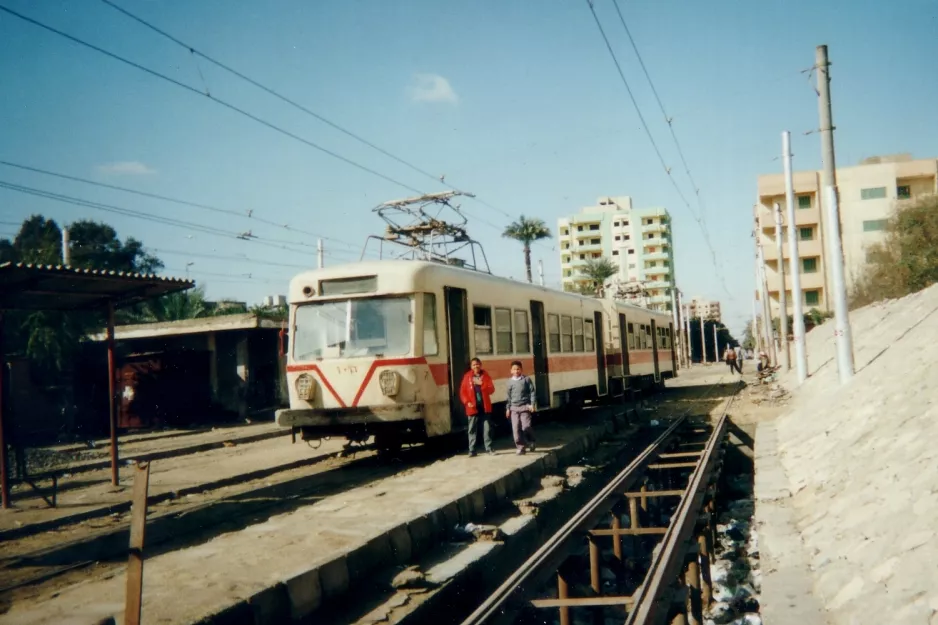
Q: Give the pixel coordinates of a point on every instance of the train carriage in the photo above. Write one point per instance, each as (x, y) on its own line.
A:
(379, 348)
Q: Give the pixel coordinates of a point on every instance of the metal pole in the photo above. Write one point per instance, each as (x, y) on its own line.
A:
(716, 344)
(66, 250)
(112, 393)
(4, 483)
(674, 314)
(756, 336)
(834, 247)
(540, 271)
(801, 358)
(782, 296)
(703, 342)
(319, 254)
(687, 336)
(766, 310)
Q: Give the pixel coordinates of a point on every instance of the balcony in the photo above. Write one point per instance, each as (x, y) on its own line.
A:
(655, 227)
(806, 249)
(809, 281)
(656, 256)
(803, 216)
(656, 241)
(659, 284)
(587, 247)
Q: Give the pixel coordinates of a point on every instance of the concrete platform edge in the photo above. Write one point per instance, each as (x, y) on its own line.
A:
(787, 581)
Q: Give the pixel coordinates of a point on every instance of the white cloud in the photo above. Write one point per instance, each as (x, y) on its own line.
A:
(432, 88)
(130, 168)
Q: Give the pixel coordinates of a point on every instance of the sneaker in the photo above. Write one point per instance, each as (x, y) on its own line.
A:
(519, 452)
(472, 454)
(491, 452)
(533, 447)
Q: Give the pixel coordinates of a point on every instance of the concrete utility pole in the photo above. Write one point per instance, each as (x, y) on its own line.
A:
(756, 337)
(782, 296)
(766, 309)
(801, 358)
(676, 319)
(835, 256)
(540, 271)
(716, 344)
(689, 356)
(319, 254)
(66, 250)
(703, 343)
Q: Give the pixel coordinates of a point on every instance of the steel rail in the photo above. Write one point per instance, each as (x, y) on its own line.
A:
(551, 555)
(652, 599)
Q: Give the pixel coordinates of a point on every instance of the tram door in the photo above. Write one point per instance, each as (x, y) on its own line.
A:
(457, 329)
(541, 370)
(654, 349)
(624, 345)
(603, 377)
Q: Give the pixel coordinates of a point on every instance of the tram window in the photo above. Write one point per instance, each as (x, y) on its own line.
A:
(553, 332)
(644, 336)
(482, 320)
(577, 334)
(430, 345)
(566, 333)
(631, 336)
(590, 345)
(503, 330)
(522, 336)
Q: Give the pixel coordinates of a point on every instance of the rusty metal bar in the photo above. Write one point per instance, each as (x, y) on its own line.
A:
(138, 525)
(582, 602)
(655, 493)
(4, 478)
(563, 592)
(111, 390)
(548, 558)
(673, 465)
(630, 531)
(616, 537)
(668, 561)
(681, 454)
(595, 582)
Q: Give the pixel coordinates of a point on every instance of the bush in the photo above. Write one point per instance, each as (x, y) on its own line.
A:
(907, 260)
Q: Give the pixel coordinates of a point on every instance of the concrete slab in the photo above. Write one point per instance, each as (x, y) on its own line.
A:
(276, 558)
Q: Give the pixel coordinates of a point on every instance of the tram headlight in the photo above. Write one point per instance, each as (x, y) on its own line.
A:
(305, 387)
(390, 382)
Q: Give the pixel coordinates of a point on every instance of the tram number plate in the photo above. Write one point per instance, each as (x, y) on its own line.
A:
(347, 369)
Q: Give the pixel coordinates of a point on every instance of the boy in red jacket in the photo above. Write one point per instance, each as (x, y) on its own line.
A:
(475, 392)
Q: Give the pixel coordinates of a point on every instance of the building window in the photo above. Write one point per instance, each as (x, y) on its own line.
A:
(808, 265)
(812, 298)
(904, 192)
(579, 228)
(626, 237)
(594, 226)
(874, 225)
(582, 256)
(873, 193)
(632, 266)
(577, 334)
(631, 251)
(482, 322)
(594, 241)
(566, 333)
(503, 342)
(804, 201)
(625, 223)
(618, 238)
(589, 344)
(806, 234)
(615, 252)
(430, 346)
(553, 333)
(522, 336)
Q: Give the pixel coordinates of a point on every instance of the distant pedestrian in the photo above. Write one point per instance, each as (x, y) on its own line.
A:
(730, 357)
(739, 358)
(521, 408)
(475, 392)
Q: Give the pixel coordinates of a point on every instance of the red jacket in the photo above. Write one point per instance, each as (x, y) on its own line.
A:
(468, 395)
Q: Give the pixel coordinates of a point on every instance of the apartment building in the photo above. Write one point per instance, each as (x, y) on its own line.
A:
(868, 193)
(707, 309)
(638, 240)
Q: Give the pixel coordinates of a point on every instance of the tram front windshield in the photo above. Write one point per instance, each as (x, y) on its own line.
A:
(353, 328)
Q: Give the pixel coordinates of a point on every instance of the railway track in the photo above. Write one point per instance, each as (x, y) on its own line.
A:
(639, 550)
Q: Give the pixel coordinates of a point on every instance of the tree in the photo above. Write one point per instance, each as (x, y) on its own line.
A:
(48, 338)
(527, 231)
(906, 261)
(597, 271)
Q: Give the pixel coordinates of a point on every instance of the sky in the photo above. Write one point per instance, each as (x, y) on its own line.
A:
(516, 101)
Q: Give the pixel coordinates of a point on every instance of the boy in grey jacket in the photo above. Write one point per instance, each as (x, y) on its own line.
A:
(520, 408)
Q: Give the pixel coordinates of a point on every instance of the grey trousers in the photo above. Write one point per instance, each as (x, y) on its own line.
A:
(521, 427)
(486, 420)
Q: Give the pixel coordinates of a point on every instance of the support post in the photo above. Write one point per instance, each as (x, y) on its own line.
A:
(703, 342)
(782, 296)
(138, 524)
(687, 336)
(563, 592)
(540, 272)
(801, 358)
(66, 247)
(675, 313)
(319, 254)
(4, 478)
(766, 309)
(835, 256)
(111, 390)
(716, 344)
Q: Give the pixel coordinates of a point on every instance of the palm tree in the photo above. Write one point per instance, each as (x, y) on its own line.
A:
(598, 270)
(527, 231)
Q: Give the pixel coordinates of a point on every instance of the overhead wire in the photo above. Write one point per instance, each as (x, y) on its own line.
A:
(246, 215)
(654, 145)
(196, 52)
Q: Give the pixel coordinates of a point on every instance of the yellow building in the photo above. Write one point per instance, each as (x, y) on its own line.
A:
(869, 193)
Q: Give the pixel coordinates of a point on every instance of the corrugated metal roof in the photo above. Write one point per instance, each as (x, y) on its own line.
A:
(199, 325)
(25, 286)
